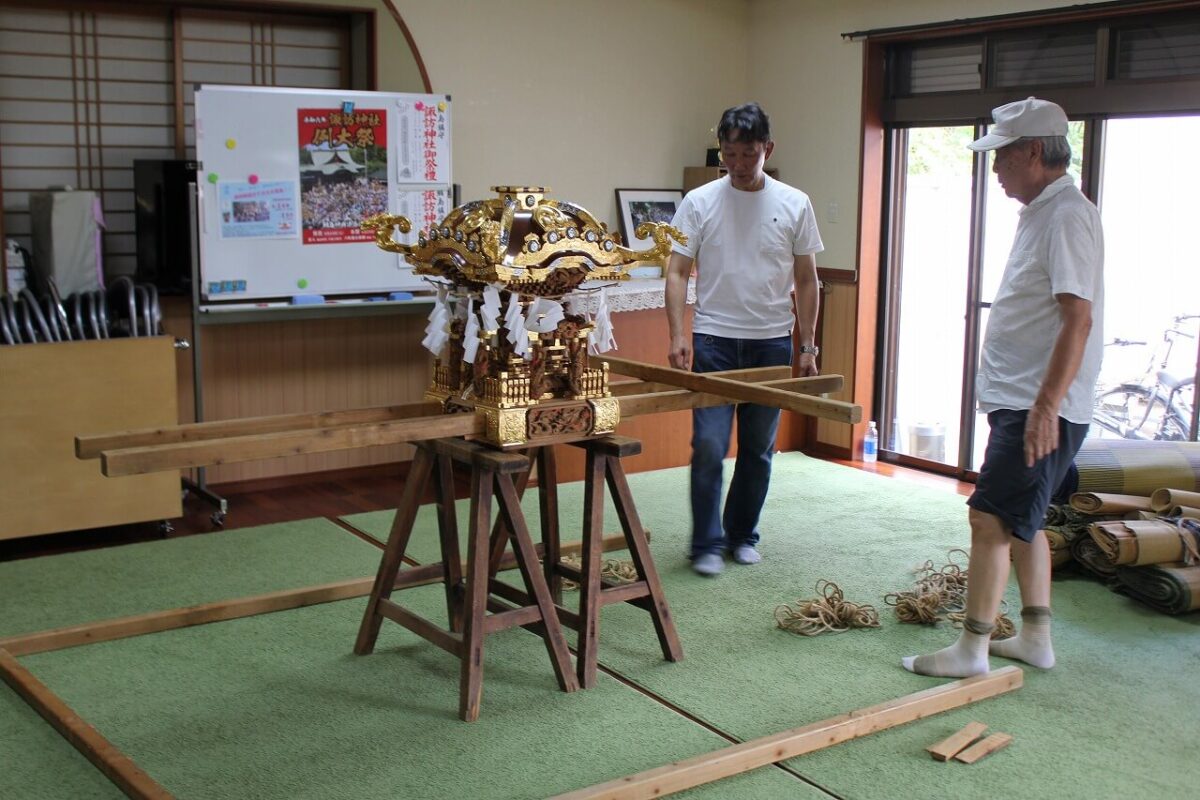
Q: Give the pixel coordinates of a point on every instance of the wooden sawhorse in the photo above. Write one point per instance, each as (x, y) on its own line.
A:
(468, 596)
(603, 466)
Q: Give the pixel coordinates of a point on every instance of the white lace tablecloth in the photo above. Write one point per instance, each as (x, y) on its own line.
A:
(640, 294)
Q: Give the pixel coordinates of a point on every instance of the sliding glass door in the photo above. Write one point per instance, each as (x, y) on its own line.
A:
(951, 230)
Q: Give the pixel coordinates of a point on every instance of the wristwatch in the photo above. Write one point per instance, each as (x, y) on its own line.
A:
(811, 349)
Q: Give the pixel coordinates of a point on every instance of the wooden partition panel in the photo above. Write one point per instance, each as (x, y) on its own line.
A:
(49, 394)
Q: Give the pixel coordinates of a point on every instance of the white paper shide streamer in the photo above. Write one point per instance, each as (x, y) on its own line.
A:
(514, 321)
(544, 315)
(601, 339)
(471, 333)
(437, 332)
(490, 310)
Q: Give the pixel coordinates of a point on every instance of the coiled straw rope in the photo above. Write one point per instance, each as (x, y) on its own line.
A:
(830, 612)
(941, 589)
(616, 570)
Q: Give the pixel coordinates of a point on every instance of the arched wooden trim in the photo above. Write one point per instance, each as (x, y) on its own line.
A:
(412, 44)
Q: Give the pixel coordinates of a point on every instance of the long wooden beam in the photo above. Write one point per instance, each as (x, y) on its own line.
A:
(836, 410)
(796, 742)
(115, 765)
(200, 449)
(222, 610)
(154, 458)
(92, 445)
(676, 399)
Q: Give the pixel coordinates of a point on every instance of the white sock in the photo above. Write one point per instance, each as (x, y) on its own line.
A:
(966, 657)
(1032, 644)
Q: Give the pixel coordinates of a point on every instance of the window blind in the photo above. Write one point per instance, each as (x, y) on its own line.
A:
(84, 93)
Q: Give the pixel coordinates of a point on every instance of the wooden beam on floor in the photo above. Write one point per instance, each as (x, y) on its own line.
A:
(223, 610)
(756, 753)
(823, 408)
(115, 765)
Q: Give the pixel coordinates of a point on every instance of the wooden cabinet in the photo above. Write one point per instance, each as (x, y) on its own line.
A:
(698, 176)
(49, 393)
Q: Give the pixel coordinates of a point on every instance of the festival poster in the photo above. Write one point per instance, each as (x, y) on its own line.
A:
(424, 208)
(258, 210)
(343, 172)
(423, 142)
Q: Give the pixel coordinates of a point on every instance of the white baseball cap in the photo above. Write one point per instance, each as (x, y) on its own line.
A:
(1028, 117)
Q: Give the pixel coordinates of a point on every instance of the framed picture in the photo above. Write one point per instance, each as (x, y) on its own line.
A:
(636, 206)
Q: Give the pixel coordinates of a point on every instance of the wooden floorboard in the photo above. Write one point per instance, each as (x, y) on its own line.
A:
(328, 495)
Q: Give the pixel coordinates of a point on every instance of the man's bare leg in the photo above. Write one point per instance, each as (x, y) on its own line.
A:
(988, 568)
(1032, 644)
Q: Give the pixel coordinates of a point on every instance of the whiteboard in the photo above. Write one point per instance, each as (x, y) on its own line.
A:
(287, 174)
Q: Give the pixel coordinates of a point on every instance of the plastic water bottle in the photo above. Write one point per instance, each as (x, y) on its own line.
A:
(871, 443)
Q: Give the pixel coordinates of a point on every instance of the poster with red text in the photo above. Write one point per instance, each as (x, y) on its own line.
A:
(343, 172)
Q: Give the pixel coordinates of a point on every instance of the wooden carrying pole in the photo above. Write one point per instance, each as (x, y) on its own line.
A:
(226, 442)
(836, 410)
(117, 766)
(796, 742)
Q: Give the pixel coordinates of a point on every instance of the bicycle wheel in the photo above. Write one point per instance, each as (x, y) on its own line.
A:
(1135, 412)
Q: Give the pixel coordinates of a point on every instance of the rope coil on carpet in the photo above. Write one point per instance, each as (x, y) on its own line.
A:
(941, 589)
(830, 612)
(616, 570)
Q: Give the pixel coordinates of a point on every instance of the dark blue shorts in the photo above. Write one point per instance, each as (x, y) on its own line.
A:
(1017, 494)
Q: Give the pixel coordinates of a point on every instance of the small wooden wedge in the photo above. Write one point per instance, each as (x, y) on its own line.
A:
(992, 744)
(956, 743)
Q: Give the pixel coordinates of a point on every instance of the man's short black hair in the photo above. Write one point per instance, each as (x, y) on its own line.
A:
(747, 123)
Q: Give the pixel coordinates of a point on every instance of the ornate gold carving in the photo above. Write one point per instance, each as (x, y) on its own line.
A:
(555, 420)
(607, 414)
(505, 426)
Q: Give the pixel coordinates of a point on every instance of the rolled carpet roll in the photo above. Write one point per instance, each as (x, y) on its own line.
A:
(1164, 499)
(1171, 588)
(1128, 466)
(1141, 542)
(1085, 550)
(1182, 511)
(1107, 503)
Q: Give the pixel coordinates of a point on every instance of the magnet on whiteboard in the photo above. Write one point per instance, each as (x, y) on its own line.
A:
(253, 179)
(212, 177)
(441, 106)
(230, 144)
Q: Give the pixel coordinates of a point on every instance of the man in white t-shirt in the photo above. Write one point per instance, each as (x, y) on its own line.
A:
(1037, 376)
(752, 240)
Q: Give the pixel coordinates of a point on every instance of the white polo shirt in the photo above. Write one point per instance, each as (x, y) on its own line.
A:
(745, 244)
(1058, 249)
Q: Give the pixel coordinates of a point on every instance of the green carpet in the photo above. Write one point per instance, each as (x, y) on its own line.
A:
(866, 533)
(38, 764)
(74, 588)
(276, 706)
(240, 708)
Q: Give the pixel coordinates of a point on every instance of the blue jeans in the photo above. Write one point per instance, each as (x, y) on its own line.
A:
(713, 532)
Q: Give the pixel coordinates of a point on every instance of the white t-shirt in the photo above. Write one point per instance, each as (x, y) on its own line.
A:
(1058, 249)
(744, 244)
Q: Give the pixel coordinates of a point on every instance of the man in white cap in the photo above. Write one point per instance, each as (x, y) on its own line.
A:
(1037, 375)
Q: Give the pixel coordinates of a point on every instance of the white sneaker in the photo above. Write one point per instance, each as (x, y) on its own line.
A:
(746, 554)
(708, 565)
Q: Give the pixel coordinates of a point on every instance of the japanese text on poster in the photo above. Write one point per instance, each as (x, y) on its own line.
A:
(424, 208)
(423, 146)
(343, 172)
(258, 211)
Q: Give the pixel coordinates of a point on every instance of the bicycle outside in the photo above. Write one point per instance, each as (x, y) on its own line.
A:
(1157, 404)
